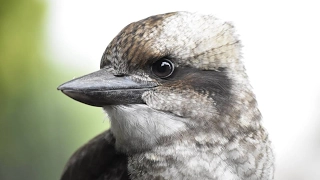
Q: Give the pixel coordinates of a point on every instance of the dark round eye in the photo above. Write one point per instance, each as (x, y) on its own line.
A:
(162, 68)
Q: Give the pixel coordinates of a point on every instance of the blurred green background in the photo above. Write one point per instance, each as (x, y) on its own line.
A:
(39, 126)
(44, 43)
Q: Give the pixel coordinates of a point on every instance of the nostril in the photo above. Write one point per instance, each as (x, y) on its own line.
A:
(119, 75)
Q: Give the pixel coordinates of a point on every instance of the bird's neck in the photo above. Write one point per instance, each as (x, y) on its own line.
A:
(165, 147)
(138, 128)
(203, 156)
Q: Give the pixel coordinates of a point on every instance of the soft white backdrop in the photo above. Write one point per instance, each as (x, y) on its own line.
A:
(281, 54)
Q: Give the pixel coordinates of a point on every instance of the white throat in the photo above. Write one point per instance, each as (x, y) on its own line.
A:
(138, 127)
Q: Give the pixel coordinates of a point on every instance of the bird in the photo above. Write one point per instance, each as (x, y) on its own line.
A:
(180, 105)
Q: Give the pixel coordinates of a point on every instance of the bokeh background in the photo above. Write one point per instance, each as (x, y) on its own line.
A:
(44, 43)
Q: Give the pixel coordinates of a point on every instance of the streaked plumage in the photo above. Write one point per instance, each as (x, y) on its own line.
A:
(179, 102)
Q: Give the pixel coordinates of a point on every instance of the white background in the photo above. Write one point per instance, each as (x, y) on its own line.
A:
(281, 54)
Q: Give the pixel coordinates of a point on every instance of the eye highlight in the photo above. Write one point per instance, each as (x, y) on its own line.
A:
(162, 68)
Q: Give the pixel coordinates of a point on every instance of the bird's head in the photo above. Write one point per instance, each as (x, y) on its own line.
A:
(184, 64)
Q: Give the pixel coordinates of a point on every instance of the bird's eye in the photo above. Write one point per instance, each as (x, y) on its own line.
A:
(162, 68)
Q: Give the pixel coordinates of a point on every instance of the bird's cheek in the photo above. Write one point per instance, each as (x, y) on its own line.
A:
(189, 104)
(150, 99)
(160, 100)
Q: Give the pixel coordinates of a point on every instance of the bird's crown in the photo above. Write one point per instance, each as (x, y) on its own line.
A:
(190, 39)
(194, 58)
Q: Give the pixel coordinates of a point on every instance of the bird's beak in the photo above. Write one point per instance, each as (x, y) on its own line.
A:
(102, 88)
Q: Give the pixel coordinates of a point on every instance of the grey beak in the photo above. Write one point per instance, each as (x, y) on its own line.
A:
(102, 88)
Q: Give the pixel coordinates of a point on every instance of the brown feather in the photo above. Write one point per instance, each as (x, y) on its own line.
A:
(97, 160)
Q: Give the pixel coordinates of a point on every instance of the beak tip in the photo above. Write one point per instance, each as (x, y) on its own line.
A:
(69, 85)
(61, 87)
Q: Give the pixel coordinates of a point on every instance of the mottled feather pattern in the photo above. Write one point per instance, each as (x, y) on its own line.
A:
(202, 122)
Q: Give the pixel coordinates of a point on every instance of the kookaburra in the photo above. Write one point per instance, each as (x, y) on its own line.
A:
(179, 102)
